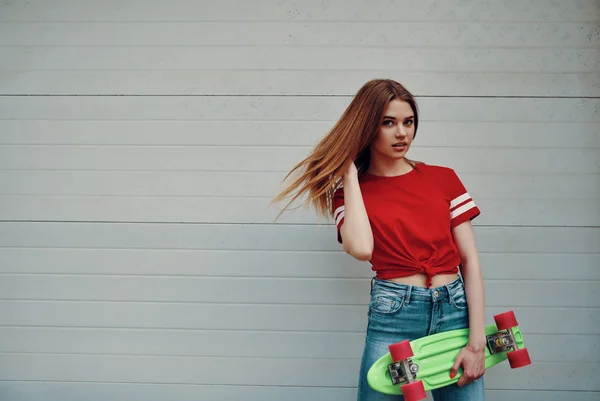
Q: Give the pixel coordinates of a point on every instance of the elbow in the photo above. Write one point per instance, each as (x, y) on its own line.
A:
(363, 253)
(364, 256)
(358, 243)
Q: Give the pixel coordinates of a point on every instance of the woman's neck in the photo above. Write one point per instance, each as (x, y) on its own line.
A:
(399, 167)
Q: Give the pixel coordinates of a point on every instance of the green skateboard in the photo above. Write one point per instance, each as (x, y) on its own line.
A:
(413, 367)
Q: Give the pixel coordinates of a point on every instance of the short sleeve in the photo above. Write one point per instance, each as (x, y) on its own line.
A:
(462, 206)
(338, 211)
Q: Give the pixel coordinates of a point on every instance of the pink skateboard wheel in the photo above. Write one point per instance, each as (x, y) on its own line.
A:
(506, 320)
(518, 358)
(400, 351)
(414, 391)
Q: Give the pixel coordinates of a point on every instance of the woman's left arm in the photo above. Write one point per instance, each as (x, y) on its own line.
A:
(471, 357)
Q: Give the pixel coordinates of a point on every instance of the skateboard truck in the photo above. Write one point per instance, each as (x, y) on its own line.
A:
(504, 339)
(404, 371)
(501, 341)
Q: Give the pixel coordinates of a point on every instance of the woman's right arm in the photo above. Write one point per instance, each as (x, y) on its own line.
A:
(357, 237)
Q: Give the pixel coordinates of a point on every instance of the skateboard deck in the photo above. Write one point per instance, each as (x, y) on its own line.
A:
(429, 359)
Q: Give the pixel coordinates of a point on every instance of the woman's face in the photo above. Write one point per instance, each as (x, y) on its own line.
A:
(396, 132)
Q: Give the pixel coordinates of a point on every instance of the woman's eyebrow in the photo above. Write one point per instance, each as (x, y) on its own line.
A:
(393, 118)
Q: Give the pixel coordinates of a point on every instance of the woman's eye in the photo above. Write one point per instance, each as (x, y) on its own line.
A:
(408, 122)
(387, 123)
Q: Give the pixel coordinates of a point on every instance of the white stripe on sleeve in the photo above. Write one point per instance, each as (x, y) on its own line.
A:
(464, 208)
(459, 200)
(339, 214)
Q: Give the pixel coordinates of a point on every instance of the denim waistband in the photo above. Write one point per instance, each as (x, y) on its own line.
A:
(416, 292)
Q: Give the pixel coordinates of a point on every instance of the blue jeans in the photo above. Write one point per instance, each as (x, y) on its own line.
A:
(402, 312)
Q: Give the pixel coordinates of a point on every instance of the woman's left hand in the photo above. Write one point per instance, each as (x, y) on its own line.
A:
(472, 360)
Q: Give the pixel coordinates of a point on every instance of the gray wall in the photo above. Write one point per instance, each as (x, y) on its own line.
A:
(140, 144)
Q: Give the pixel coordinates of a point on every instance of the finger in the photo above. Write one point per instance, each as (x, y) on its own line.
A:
(455, 367)
(465, 379)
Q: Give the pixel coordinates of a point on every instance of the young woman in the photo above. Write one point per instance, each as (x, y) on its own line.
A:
(411, 220)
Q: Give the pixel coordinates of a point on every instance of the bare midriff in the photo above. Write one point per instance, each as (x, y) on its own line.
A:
(420, 280)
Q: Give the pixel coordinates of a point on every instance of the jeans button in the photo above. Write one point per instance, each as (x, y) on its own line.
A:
(435, 294)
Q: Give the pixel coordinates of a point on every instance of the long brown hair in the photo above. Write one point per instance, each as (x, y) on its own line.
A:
(351, 137)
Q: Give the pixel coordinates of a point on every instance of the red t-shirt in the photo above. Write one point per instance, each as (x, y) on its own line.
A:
(412, 216)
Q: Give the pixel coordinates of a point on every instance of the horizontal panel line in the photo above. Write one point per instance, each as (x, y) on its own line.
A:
(249, 197)
(301, 46)
(190, 250)
(262, 250)
(261, 386)
(272, 278)
(154, 383)
(185, 356)
(316, 69)
(123, 301)
(541, 173)
(245, 197)
(321, 305)
(166, 196)
(389, 70)
(274, 121)
(307, 21)
(203, 223)
(170, 328)
(300, 22)
(285, 304)
(125, 328)
(299, 95)
(254, 223)
(165, 120)
(269, 146)
(251, 223)
(285, 332)
(257, 250)
(16, 273)
(221, 357)
(295, 45)
(292, 122)
(179, 249)
(261, 278)
(258, 276)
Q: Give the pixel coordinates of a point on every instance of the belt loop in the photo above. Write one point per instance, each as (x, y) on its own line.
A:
(407, 296)
(453, 284)
(448, 290)
(372, 281)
